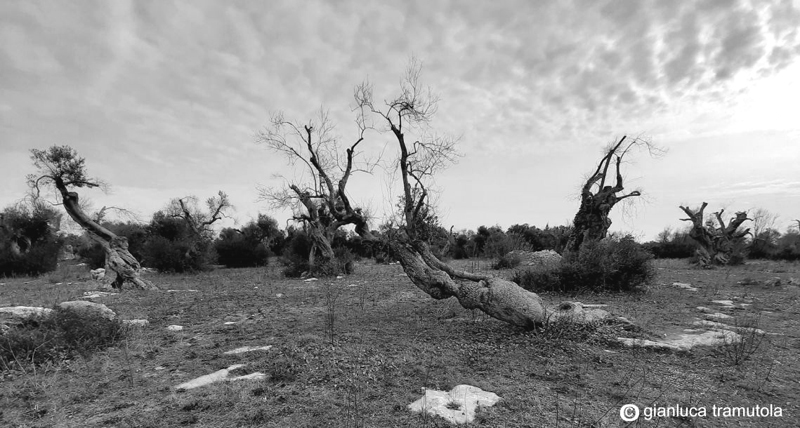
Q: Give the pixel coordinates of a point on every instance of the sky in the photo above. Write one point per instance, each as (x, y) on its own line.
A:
(165, 99)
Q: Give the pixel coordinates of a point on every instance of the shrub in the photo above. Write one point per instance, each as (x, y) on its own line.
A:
(177, 256)
(28, 243)
(295, 254)
(58, 336)
(507, 261)
(235, 250)
(93, 254)
(609, 264)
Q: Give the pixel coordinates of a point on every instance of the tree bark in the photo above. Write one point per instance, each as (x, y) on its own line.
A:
(118, 259)
(716, 245)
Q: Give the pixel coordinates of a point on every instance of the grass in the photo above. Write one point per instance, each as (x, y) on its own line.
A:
(357, 356)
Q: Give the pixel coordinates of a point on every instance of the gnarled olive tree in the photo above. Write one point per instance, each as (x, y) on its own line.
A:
(319, 197)
(598, 196)
(718, 246)
(419, 159)
(62, 169)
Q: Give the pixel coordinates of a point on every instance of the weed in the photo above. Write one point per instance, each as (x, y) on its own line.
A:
(736, 349)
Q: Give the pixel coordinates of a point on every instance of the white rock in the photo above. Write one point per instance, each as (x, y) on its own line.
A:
(279, 295)
(98, 273)
(684, 286)
(136, 323)
(244, 349)
(723, 302)
(88, 308)
(188, 290)
(229, 322)
(466, 397)
(175, 327)
(310, 279)
(209, 378)
(251, 376)
(685, 342)
(24, 312)
(718, 316)
(721, 326)
(352, 285)
(218, 376)
(97, 294)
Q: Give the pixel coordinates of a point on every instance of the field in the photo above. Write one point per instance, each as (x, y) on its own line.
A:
(355, 351)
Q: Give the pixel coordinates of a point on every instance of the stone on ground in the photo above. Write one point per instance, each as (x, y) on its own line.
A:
(218, 376)
(98, 273)
(175, 327)
(457, 405)
(88, 308)
(23, 312)
(545, 259)
(244, 349)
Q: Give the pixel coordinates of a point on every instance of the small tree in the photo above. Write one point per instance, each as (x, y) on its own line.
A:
(28, 241)
(717, 246)
(598, 196)
(319, 198)
(62, 169)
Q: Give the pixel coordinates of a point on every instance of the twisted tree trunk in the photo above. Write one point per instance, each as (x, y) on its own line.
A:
(118, 259)
(716, 245)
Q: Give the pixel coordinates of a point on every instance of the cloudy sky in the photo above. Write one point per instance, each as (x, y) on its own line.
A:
(163, 99)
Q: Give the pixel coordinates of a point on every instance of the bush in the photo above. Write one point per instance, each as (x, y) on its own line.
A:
(235, 250)
(41, 258)
(177, 256)
(508, 261)
(295, 258)
(92, 254)
(58, 336)
(28, 243)
(610, 264)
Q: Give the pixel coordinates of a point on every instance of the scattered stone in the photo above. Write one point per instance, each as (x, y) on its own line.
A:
(576, 312)
(773, 282)
(339, 277)
(684, 286)
(685, 342)
(98, 273)
(718, 316)
(722, 326)
(218, 376)
(546, 259)
(723, 302)
(24, 312)
(244, 349)
(175, 327)
(456, 406)
(188, 290)
(790, 281)
(159, 368)
(88, 308)
(279, 295)
(97, 294)
(229, 322)
(209, 378)
(310, 279)
(136, 323)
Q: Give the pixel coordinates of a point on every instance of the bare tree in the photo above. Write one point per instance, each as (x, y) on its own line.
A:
(320, 196)
(199, 223)
(418, 161)
(718, 246)
(61, 169)
(598, 196)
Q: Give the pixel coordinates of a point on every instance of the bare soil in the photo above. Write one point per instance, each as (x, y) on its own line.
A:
(355, 351)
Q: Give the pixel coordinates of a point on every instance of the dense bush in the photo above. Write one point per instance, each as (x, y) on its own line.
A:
(507, 261)
(58, 336)
(177, 256)
(28, 242)
(610, 264)
(297, 247)
(672, 245)
(235, 249)
(173, 247)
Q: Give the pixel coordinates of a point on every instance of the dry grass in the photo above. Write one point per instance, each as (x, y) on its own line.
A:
(357, 356)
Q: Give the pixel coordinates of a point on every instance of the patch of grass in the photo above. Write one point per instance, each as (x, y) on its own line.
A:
(56, 337)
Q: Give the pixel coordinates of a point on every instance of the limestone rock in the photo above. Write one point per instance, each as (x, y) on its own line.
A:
(98, 273)
(457, 405)
(88, 308)
(545, 259)
(23, 312)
